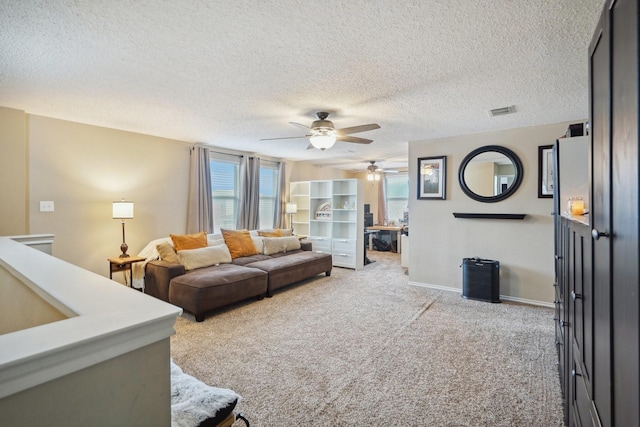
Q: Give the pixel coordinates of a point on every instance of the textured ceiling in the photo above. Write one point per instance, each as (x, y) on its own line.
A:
(228, 73)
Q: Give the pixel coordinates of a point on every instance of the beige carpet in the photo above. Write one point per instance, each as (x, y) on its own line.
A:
(364, 348)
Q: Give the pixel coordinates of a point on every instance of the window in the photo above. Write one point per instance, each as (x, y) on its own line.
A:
(397, 196)
(225, 189)
(268, 193)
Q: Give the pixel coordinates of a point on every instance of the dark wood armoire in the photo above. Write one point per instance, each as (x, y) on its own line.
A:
(598, 260)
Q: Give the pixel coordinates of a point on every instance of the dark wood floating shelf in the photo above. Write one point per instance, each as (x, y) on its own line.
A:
(489, 215)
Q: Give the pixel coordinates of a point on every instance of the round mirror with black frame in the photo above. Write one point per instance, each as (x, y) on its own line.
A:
(490, 173)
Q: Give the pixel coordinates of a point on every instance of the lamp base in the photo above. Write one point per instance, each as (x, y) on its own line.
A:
(291, 223)
(124, 247)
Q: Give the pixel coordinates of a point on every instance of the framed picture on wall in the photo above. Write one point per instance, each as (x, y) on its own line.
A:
(432, 177)
(545, 171)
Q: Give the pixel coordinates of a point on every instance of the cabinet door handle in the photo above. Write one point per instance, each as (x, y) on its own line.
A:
(558, 257)
(575, 296)
(575, 374)
(598, 234)
(563, 323)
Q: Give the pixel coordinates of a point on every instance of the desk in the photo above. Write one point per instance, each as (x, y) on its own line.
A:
(389, 228)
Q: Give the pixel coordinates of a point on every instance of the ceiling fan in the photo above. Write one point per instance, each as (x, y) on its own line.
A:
(322, 134)
(374, 171)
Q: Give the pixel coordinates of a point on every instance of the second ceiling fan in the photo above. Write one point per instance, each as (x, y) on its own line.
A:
(322, 133)
(374, 171)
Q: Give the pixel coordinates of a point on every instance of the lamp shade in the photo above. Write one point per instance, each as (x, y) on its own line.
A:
(291, 208)
(122, 210)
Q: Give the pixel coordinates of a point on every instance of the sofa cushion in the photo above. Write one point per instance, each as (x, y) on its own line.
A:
(215, 241)
(189, 241)
(274, 245)
(281, 254)
(204, 257)
(244, 260)
(239, 243)
(202, 290)
(293, 267)
(167, 253)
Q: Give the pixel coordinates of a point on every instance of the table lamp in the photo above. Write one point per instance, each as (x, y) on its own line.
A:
(123, 210)
(291, 208)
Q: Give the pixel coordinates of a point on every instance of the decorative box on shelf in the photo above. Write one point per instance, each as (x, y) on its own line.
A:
(324, 212)
(323, 215)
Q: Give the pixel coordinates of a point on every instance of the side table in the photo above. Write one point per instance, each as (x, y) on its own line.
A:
(124, 265)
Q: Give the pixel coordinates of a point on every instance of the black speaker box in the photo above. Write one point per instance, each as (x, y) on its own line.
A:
(481, 279)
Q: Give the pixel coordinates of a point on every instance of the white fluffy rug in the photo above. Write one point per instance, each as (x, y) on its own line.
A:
(193, 401)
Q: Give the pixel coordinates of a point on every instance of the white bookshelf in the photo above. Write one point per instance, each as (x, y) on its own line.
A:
(335, 219)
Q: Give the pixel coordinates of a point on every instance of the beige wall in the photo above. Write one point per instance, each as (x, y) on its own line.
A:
(83, 168)
(15, 296)
(305, 171)
(524, 248)
(14, 172)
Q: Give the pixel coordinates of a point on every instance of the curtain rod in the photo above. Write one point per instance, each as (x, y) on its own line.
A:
(237, 153)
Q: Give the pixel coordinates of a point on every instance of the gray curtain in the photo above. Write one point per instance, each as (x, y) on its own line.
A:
(248, 211)
(200, 203)
(279, 220)
(382, 200)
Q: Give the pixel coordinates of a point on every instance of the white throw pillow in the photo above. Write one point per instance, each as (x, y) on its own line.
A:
(204, 257)
(215, 240)
(258, 243)
(274, 245)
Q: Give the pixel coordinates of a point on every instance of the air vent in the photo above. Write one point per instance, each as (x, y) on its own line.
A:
(502, 111)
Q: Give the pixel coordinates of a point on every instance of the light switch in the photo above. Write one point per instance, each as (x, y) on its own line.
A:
(46, 206)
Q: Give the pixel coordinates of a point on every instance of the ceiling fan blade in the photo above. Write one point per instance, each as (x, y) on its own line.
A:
(355, 139)
(356, 129)
(285, 137)
(387, 171)
(310, 147)
(300, 125)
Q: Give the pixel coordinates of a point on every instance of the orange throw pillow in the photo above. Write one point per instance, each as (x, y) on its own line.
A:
(189, 241)
(275, 233)
(239, 243)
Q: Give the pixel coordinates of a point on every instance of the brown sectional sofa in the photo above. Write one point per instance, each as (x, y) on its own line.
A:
(202, 290)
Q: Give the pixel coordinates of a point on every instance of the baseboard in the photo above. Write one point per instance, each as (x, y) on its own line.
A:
(502, 297)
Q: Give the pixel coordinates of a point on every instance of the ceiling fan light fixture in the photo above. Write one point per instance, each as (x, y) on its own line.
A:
(322, 134)
(322, 141)
(373, 176)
